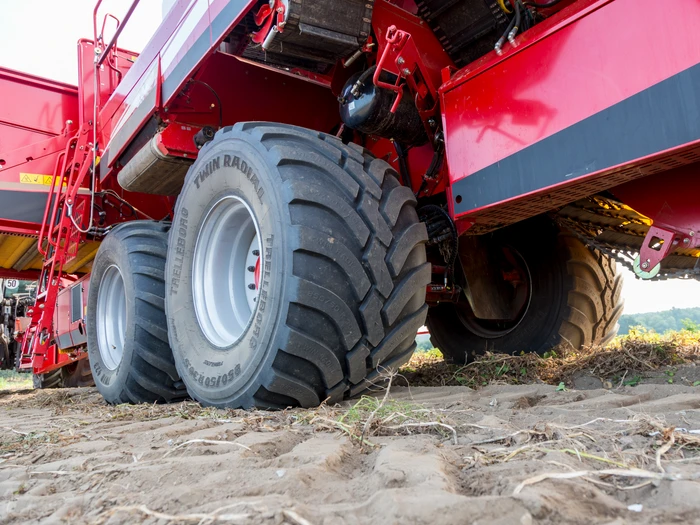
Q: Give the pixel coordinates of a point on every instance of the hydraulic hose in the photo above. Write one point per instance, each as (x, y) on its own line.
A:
(514, 30)
(502, 40)
(367, 73)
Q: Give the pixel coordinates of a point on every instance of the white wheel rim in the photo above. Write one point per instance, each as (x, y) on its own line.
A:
(111, 317)
(224, 286)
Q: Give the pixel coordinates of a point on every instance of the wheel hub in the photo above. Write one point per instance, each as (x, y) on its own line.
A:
(226, 271)
(111, 317)
(516, 272)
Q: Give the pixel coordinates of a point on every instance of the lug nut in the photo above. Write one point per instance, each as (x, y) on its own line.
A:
(251, 268)
(251, 286)
(256, 252)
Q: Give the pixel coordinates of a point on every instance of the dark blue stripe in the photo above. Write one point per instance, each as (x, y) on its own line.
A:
(663, 116)
(27, 206)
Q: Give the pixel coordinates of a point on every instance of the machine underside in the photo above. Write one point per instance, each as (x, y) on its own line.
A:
(495, 119)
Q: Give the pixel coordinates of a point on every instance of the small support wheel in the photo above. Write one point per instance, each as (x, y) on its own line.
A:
(645, 273)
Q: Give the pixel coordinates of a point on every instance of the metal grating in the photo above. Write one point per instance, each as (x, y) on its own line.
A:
(500, 215)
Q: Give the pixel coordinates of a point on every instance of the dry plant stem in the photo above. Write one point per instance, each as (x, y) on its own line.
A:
(205, 441)
(293, 516)
(365, 429)
(662, 450)
(631, 473)
(213, 517)
(345, 428)
(586, 455)
(429, 424)
(191, 518)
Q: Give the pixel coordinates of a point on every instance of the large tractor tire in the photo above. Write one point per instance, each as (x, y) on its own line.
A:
(130, 357)
(296, 269)
(575, 300)
(75, 375)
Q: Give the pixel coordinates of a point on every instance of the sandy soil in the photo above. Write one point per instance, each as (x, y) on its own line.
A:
(67, 457)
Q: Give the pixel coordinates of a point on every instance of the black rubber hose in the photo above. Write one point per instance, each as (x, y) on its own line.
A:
(361, 81)
(403, 167)
(516, 27)
(366, 74)
(503, 38)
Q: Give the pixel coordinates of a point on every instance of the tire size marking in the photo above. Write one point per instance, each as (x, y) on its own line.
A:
(262, 296)
(230, 161)
(179, 250)
(213, 381)
(104, 378)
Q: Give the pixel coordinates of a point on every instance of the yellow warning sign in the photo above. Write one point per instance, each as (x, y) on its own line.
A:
(36, 178)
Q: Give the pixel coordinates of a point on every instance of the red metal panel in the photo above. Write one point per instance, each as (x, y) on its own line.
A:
(564, 70)
(670, 199)
(262, 95)
(33, 131)
(34, 104)
(28, 275)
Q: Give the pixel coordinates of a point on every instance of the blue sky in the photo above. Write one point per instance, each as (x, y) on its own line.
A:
(39, 37)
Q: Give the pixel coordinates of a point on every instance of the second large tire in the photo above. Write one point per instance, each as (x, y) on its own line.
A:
(575, 299)
(340, 292)
(130, 358)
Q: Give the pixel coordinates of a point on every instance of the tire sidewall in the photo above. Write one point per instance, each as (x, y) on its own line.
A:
(214, 375)
(110, 383)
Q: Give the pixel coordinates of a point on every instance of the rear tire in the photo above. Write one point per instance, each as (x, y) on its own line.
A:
(74, 375)
(130, 358)
(342, 269)
(53, 379)
(77, 374)
(576, 299)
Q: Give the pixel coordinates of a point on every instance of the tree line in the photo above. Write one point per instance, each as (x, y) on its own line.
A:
(660, 322)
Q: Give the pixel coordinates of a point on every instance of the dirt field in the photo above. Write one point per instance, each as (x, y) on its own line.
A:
(502, 454)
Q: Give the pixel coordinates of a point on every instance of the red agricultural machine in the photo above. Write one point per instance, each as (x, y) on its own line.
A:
(264, 206)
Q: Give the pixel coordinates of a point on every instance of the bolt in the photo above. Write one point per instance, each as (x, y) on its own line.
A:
(251, 286)
(251, 268)
(645, 265)
(280, 9)
(400, 61)
(406, 71)
(686, 241)
(256, 252)
(691, 233)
